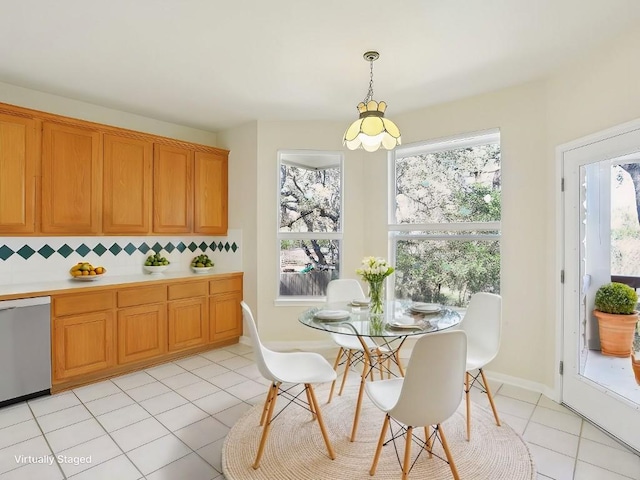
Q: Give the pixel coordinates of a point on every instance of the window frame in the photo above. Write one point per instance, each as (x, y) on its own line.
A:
(284, 156)
(436, 231)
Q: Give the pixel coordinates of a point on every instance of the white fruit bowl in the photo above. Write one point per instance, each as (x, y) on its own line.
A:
(153, 270)
(201, 269)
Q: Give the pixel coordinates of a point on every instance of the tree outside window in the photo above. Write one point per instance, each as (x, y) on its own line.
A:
(446, 219)
(310, 221)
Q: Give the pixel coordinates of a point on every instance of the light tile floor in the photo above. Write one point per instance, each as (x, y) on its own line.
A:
(170, 422)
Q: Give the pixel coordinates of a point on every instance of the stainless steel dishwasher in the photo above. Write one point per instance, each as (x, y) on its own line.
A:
(25, 349)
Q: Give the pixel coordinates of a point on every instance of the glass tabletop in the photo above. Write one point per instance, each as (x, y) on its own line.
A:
(400, 318)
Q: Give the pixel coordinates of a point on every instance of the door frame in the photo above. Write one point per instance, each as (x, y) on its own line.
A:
(562, 267)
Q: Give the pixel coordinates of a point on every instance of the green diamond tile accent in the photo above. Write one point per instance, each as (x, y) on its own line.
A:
(234, 247)
(5, 252)
(144, 248)
(26, 251)
(156, 247)
(220, 246)
(227, 246)
(203, 246)
(83, 250)
(169, 247)
(46, 251)
(192, 246)
(65, 250)
(212, 246)
(130, 248)
(115, 249)
(181, 247)
(99, 249)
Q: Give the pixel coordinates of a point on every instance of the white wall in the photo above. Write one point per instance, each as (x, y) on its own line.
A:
(45, 102)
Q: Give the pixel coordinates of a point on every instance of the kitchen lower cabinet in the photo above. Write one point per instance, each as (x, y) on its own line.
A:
(225, 317)
(83, 344)
(102, 331)
(142, 333)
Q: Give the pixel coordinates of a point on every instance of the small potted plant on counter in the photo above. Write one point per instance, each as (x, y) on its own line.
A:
(615, 309)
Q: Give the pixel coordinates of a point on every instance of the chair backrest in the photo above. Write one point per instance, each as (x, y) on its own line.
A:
(433, 385)
(344, 290)
(259, 350)
(483, 324)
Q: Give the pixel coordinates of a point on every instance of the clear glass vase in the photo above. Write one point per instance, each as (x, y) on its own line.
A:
(376, 295)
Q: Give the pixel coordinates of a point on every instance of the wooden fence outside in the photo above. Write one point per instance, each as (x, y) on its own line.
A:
(305, 284)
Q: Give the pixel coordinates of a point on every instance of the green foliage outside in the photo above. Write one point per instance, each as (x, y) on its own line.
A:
(461, 185)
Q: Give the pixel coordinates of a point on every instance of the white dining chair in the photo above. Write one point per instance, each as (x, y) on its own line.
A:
(351, 350)
(289, 368)
(427, 396)
(483, 325)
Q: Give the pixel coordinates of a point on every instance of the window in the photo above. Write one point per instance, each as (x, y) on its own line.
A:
(309, 221)
(444, 225)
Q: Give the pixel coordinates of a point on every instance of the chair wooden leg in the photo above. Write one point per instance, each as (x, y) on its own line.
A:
(316, 408)
(493, 406)
(311, 405)
(335, 367)
(468, 400)
(380, 363)
(427, 441)
(346, 371)
(388, 367)
(376, 457)
(407, 454)
(266, 403)
(363, 379)
(267, 425)
(445, 445)
(397, 355)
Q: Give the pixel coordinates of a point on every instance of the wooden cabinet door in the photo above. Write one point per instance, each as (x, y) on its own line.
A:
(83, 344)
(225, 316)
(211, 193)
(142, 332)
(188, 323)
(19, 157)
(71, 179)
(172, 189)
(126, 206)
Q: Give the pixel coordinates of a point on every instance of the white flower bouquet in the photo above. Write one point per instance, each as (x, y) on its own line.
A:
(374, 270)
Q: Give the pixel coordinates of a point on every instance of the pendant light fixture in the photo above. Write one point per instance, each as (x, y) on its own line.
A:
(371, 130)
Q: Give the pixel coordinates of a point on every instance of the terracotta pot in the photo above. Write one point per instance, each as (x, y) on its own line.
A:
(636, 367)
(616, 332)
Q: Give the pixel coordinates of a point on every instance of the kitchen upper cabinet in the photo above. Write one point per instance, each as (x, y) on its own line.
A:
(71, 179)
(126, 205)
(211, 193)
(19, 161)
(172, 189)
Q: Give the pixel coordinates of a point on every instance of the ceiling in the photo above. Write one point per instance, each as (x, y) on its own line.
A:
(214, 64)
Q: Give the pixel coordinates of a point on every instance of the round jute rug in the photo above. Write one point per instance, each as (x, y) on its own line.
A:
(295, 449)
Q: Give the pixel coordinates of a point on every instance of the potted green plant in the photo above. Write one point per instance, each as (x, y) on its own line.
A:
(635, 354)
(615, 309)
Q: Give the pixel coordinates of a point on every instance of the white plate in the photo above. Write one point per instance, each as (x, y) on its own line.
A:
(332, 314)
(87, 278)
(360, 303)
(425, 307)
(405, 326)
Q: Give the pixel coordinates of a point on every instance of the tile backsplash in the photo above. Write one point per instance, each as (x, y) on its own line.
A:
(37, 259)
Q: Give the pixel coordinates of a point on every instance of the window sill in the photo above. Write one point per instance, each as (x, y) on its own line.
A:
(299, 301)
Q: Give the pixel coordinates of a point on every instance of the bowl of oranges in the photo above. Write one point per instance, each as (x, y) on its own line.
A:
(85, 272)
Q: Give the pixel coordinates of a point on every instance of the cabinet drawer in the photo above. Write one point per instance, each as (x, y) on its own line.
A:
(187, 290)
(142, 296)
(225, 285)
(82, 303)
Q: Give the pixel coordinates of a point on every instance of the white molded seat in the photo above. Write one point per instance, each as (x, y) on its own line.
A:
(346, 290)
(427, 396)
(290, 368)
(483, 325)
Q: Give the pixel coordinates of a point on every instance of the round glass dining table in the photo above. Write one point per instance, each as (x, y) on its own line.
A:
(401, 318)
(389, 330)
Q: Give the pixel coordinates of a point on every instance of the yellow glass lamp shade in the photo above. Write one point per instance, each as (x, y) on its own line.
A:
(372, 130)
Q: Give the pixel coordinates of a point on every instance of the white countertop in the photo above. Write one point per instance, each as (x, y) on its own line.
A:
(33, 289)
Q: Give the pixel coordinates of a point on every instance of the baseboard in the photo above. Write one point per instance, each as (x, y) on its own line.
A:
(521, 382)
